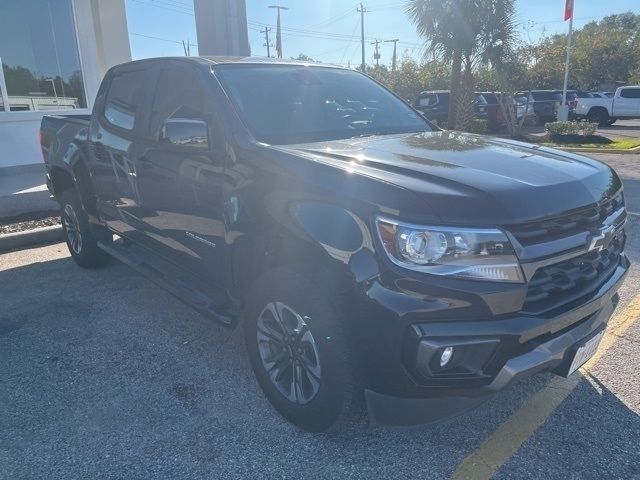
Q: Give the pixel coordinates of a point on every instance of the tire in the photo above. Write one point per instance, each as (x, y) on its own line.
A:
(329, 397)
(81, 240)
(611, 121)
(599, 116)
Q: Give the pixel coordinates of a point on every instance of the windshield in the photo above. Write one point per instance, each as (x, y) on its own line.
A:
(284, 104)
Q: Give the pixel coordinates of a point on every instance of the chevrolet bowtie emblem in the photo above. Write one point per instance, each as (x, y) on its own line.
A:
(601, 238)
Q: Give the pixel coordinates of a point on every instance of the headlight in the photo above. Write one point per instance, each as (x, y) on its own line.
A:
(479, 253)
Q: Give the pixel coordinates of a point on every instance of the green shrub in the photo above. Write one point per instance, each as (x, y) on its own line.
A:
(582, 129)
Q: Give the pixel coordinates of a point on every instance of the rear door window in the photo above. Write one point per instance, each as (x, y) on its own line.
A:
(124, 98)
(480, 100)
(630, 93)
(428, 100)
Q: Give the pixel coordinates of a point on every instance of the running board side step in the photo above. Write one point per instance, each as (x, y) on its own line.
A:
(179, 283)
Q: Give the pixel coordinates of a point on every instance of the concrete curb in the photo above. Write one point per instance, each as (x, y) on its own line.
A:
(634, 150)
(36, 236)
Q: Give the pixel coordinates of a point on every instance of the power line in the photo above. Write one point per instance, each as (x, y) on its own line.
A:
(338, 16)
(163, 7)
(179, 42)
(175, 4)
(299, 32)
(304, 31)
(349, 44)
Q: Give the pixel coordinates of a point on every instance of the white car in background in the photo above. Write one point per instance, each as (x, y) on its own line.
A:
(605, 111)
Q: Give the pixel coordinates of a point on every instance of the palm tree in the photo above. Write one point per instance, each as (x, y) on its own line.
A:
(464, 30)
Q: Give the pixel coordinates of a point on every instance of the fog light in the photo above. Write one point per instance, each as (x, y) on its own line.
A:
(447, 353)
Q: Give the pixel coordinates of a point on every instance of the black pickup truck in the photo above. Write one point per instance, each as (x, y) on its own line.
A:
(372, 258)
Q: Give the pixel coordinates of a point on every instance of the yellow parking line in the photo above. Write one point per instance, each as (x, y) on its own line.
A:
(508, 438)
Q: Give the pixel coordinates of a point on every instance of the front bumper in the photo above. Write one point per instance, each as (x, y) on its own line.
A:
(532, 345)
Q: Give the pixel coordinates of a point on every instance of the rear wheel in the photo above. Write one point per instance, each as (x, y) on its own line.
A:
(599, 116)
(81, 240)
(298, 346)
(611, 121)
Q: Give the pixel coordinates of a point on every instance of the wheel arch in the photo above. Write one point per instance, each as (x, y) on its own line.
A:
(75, 174)
(324, 241)
(597, 108)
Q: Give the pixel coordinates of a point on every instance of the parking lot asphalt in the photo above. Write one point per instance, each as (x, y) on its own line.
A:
(622, 128)
(104, 375)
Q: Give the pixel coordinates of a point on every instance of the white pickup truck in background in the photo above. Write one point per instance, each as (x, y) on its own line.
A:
(605, 111)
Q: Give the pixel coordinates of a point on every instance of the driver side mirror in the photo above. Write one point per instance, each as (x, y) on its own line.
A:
(185, 132)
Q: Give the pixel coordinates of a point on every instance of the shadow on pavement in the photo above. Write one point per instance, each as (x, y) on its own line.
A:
(591, 435)
(102, 371)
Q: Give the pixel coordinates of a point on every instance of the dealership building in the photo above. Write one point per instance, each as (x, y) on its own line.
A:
(54, 53)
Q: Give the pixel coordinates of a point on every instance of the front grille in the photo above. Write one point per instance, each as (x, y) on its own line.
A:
(566, 225)
(563, 283)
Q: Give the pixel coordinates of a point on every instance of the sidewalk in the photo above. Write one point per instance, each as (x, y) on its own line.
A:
(23, 191)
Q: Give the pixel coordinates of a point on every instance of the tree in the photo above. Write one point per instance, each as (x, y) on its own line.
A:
(411, 77)
(304, 58)
(447, 31)
(469, 31)
(603, 52)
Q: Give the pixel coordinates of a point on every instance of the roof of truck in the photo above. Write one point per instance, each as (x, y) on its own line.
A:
(218, 60)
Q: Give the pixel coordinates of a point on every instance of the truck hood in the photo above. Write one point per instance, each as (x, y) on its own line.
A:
(471, 179)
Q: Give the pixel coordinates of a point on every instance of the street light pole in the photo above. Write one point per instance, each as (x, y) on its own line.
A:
(278, 32)
(362, 11)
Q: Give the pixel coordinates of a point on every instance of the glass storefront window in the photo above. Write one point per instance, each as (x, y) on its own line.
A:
(1, 100)
(39, 55)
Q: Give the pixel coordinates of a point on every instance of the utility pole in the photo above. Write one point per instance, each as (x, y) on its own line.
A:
(393, 62)
(278, 32)
(377, 54)
(362, 11)
(266, 39)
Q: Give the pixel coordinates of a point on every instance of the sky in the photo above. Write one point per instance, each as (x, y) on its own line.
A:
(329, 30)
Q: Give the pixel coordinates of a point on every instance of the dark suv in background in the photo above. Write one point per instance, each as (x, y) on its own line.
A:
(545, 103)
(434, 105)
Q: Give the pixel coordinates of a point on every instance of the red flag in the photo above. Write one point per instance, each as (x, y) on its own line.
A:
(568, 9)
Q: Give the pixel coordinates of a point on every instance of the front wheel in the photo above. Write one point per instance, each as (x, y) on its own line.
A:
(298, 347)
(81, 241)
(599, 116)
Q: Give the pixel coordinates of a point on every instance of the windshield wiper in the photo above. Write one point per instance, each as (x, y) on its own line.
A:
(373, 134)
